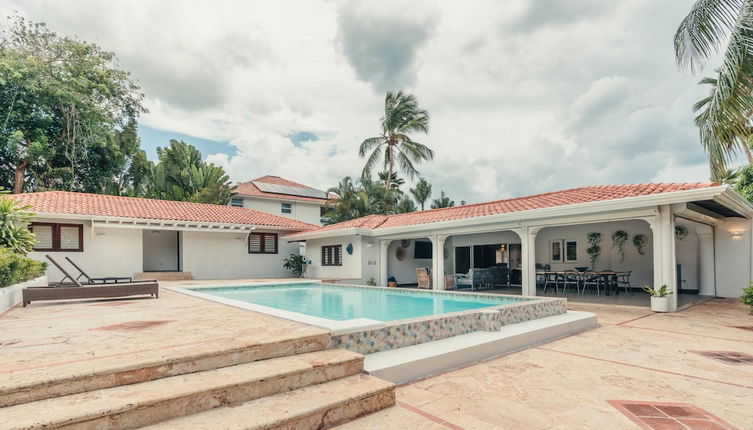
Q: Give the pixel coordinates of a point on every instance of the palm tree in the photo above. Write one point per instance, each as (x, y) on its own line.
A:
(723, 118)
(14, 222)
(442, 202)
(394, 146)
(422, 192)
(395, 182)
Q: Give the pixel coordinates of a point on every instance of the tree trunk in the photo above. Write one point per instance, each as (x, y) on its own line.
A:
(18, 183)
(388, 182)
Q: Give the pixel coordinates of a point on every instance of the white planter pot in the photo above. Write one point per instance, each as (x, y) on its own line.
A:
(660, 304)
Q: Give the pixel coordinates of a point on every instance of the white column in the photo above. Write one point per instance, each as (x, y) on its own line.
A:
(528, 258)
(706, 278)
(437, 262)
(665, 266)
(383, 258)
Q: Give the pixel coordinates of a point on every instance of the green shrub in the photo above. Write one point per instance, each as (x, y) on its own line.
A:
(15, 268)
(747, 297)
(296, 264)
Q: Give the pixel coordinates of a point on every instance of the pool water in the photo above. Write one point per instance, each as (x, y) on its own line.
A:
(340, 303)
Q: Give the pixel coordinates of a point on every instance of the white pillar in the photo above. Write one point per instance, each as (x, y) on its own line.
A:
(706, 278)
(665, 266)
(383, 258)
(528, 258)
(437, 262)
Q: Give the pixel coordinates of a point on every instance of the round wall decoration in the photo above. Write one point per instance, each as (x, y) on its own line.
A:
(349, 248)
(405, 243)
(400, 253)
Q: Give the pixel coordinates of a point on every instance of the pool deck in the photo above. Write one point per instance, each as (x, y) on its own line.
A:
(574, 382)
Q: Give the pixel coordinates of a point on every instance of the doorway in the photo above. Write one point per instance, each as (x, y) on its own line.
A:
(161, 250)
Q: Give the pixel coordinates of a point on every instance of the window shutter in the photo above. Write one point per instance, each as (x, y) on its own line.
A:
(270, 244)
(254, 243)
(69, 237)
(43, 234)
(338, 255)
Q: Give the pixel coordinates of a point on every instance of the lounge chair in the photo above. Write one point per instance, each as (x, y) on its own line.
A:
(90, 280)
(76, 290)
(423, 277)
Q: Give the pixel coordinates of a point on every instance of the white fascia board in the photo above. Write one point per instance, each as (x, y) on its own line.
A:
(162, 224)
(530, 217)
(736, 202)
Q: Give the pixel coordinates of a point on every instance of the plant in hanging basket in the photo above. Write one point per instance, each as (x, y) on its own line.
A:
(594, 250)
(619, 238)
(681, 232)
(639, 242)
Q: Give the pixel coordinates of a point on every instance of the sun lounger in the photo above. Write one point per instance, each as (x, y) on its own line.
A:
(90, 280)
(76, 290)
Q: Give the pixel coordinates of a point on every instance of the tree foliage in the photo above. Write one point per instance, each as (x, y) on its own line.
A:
(744, 184)
(62, 100)
(394, 147)
(14, 225)
(442, 202)
(723, 117)
(421, 192)
(181, 174)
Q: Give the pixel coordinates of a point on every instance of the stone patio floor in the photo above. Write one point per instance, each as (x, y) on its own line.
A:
(575, 382)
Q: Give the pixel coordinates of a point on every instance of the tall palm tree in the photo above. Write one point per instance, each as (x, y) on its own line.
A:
(394, 146)
(421, 192)
(442, 202)
(724, 115)
(395, 182)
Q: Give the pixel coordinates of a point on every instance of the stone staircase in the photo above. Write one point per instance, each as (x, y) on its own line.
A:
(296, 386)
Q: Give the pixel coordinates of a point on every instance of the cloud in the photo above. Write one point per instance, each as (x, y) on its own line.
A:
(525, 96)
(382, 42)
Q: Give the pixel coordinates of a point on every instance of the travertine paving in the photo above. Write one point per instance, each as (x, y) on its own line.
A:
(635, 355)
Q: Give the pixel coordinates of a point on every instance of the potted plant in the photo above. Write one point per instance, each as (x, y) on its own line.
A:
(747, 297)
(659, 298)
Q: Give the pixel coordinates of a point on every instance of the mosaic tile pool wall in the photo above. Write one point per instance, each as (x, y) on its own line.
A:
(398, 334)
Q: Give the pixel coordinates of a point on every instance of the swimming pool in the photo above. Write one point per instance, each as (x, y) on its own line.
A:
(342, 303)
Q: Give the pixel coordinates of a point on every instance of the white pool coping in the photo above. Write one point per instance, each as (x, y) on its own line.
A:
(430, 358)
(335, 326)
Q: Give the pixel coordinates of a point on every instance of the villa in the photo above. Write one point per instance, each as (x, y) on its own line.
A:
(147, 238)
(693, 237)
(280, 196)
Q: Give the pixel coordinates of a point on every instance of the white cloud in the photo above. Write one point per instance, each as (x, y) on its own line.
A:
(525, 96)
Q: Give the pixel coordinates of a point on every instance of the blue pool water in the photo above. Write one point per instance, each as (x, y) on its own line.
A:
(339, 303)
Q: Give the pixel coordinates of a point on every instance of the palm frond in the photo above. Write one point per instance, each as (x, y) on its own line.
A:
(368, 144)
(373, 159)
(704, 29)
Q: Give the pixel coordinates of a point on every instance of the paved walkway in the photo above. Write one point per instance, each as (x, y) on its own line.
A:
(634, 356)
(572, 383)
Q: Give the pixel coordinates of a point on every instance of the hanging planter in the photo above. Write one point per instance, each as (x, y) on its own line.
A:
(619, 238)
(594, 250)
(639, 242)
(681, 232)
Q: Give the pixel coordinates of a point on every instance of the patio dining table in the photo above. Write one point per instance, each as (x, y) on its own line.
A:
(609, 277)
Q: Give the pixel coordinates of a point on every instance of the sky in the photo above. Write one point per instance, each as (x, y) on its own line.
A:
(525, 96)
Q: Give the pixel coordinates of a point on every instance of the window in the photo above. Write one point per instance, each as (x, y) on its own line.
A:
(332, 255)
(237, 202)
(555, 251)
(571, 251)
(286, 208)
(58, 237)
(262, 243)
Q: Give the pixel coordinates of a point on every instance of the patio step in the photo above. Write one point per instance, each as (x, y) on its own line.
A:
(164, 276)
(145, 403)
(313, 407)
(141, 366)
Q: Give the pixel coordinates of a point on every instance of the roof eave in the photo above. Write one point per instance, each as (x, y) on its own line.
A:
(612, 205)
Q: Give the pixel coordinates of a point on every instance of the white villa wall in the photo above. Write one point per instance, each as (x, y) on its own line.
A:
(687, 255)
(223, 255)
(107, 252)
(405, 271)
(733, 257)
(640, 265)
(351, 264)
(302, 211)
(369, 260)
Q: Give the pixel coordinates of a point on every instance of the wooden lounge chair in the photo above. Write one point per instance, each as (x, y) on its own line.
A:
(76, 290)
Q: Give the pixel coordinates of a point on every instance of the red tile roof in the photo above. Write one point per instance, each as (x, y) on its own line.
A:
(249, 189)
(64, 202)
(518, 204)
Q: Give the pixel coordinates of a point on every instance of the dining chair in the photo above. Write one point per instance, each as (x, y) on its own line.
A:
(623, 280)
(570, 277)
(591, 280)
(552, 278)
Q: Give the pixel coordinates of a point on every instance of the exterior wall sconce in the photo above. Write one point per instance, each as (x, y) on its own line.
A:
(736, 234)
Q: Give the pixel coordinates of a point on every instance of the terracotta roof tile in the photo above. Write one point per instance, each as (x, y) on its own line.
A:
(64, 202)
(518, 204)
(249, 189)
